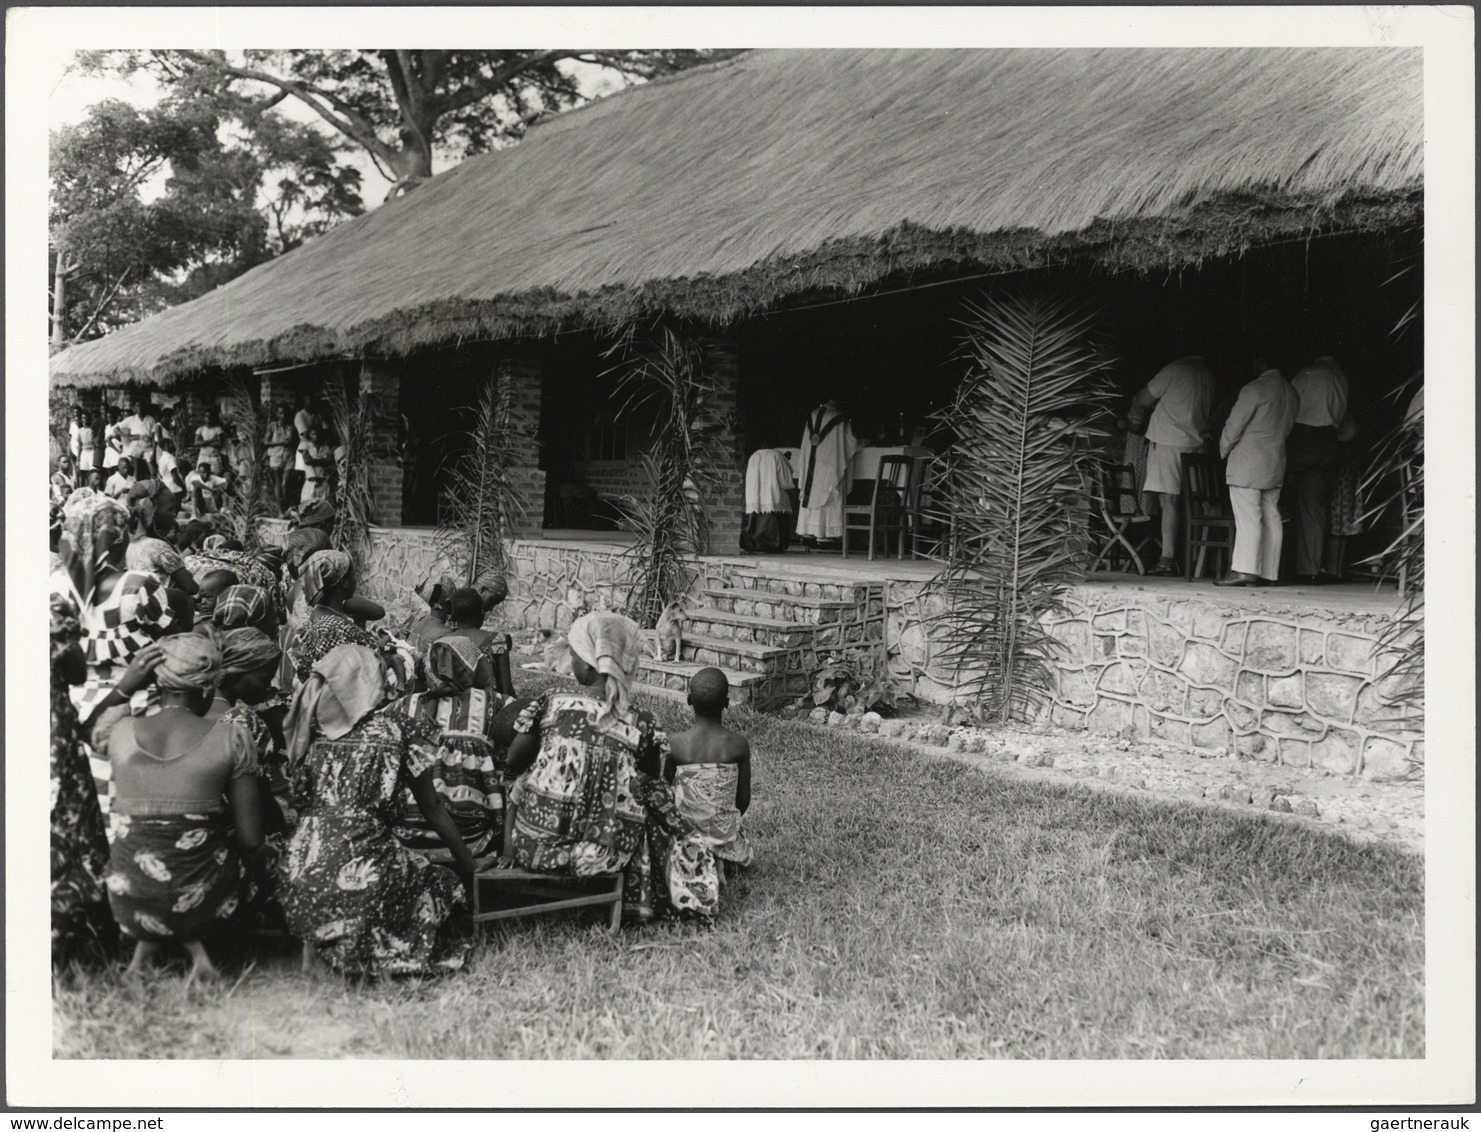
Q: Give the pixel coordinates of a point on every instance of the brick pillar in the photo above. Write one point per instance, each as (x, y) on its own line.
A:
(726, 505)
(381, 379)
(521, 370)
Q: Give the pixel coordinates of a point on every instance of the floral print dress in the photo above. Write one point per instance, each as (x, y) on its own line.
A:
(323, 632)
(369, 905)
(587, 808)
(80, 920)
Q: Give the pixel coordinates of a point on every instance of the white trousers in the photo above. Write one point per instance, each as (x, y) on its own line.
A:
(1257, 530)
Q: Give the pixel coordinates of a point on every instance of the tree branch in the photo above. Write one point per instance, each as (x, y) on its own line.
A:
(102, 304)
(482, 89)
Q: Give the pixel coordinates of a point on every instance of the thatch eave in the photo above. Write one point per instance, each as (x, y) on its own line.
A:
(1211, 229)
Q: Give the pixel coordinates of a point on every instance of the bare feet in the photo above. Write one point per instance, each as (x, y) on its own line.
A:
(143, 949)
(201, 966)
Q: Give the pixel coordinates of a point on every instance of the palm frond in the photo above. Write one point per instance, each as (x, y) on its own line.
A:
(483, 505)
(246, 498)
(353, 412)
(668, 372)
(1015, 489)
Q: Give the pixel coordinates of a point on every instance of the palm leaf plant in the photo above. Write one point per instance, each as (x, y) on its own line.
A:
(482, 506)
(1014, 493)
(246, 497)
(353, 415)
(667, 373)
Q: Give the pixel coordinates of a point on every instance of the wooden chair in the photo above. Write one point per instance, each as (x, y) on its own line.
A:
(540, 892)
(889, 508)
(1117, 501)
(1208, 518)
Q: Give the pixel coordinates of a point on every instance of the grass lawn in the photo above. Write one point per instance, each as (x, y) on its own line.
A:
(902, 907)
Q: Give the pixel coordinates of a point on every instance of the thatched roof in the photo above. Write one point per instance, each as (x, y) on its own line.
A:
(723, 190)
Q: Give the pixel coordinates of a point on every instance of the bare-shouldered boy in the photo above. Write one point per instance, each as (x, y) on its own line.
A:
(710, 769)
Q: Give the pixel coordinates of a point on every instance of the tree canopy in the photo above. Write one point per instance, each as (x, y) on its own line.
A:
(400, 107)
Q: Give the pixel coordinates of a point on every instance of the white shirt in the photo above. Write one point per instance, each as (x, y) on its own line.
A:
(1322, 387)
(1185, 398)
(118, 484)
(302, 422)
(169, 470)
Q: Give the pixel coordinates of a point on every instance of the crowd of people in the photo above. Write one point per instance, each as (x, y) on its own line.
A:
(1288, 455)
(303, 459)
(240, 745)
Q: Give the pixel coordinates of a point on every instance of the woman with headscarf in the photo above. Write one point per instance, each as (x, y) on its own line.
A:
(176, 872)
(244, 607)
(119, 611)
(368, 905)
(468, 770)
(149, 552)
(327, 580)
(466, 621)
(592, 800)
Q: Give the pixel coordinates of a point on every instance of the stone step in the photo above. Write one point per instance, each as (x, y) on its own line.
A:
(669, 679)
(778, 607)
(822, 586)
(743, 627)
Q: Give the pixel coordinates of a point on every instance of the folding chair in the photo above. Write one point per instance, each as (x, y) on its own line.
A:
(1208, 517)
(1117, 501)
(889, 508)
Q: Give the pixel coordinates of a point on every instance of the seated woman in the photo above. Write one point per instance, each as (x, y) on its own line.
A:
(244, 607)
(421, 631)
(348, 887)
(328, 582)
(175, 874)
(150, 553)
(468, 770)
(467, 621)
(592, 800)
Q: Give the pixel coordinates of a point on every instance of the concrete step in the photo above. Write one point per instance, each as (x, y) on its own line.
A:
(823, 586)
(772, 631)
(741, 656)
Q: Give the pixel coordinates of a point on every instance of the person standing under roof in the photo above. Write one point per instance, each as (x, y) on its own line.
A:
(828, 444)
(1311, 456)
(1254, 442)
(1183, 393)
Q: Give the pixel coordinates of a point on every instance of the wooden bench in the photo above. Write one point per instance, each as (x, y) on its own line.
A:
(549, 893)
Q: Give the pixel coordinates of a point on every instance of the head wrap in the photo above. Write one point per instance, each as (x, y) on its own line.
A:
(87, 517)
(611, 644)
(246, 650)
(439, 592)
(346, 685)
(492, 587)
(214, 542)
(324, 570)
(315, 513)
(452, 665)
(190, 663)
(271, 557)
(240, 606)
(299, 545)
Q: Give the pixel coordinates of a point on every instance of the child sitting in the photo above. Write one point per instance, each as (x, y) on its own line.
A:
(710, 770)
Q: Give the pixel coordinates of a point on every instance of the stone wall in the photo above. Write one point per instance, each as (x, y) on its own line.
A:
(1271, 681)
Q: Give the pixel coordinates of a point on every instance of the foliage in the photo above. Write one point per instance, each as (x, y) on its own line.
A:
(1394, 483)
(248, 497)
(1014, 485)
(844, 687)
(483, 507)
(400, 107)
(668, 373)
(151, 207)
(353, 412)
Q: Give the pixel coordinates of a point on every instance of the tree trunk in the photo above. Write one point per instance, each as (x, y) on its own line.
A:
(59, 307)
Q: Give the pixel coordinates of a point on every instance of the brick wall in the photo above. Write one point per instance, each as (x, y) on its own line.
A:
(726, 505)
(381, 380)
(520, 371)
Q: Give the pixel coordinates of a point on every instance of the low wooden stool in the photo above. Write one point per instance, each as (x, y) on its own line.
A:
(548, 894)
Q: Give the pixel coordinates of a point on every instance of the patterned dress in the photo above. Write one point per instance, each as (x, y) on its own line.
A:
(323, 632)
(705, 794)
(369, 905)
(174, 869)
(468, 771)
(586, 808)
(249, 569)
(80, 920)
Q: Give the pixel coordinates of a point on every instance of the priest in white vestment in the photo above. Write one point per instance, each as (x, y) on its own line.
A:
(823, 480)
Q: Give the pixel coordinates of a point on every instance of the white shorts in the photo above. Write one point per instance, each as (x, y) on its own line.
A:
(1165, 468)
